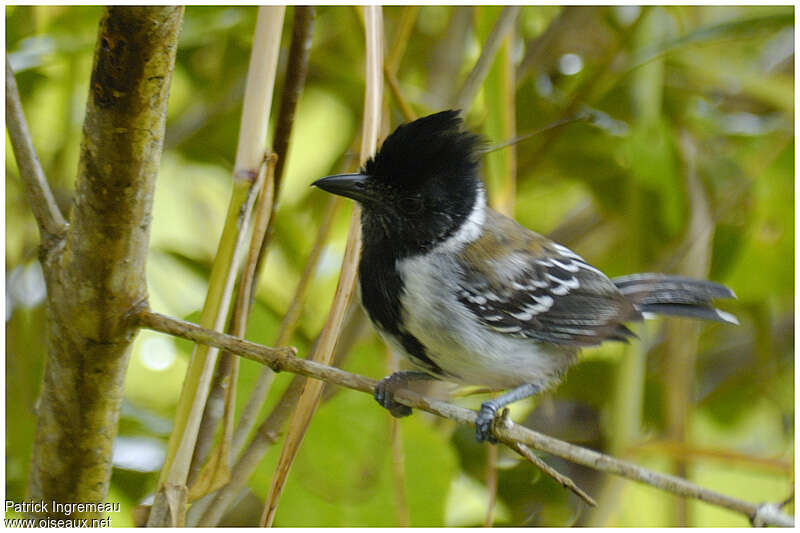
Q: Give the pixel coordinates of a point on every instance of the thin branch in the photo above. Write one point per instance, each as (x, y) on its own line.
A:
(200, 335)
(401, 37)
(296, 72)
(283, 359)
(397, 50)
(678, 449)
(391, 79)
(45, 210)
(577, 117)
(581, 94)
(560, 478)
(505, 22)
(537, 48)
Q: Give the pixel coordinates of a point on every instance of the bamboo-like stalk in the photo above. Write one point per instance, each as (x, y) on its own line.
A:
(208, 511)
(396, 52)
(309, 398)
(402, 103)
(217, 471)
(287, 328)
(628, 394)
(284, 359)
(249, 154)
(730, 458)
(296, 71)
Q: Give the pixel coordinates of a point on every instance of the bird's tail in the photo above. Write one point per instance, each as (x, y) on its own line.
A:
(675, 296)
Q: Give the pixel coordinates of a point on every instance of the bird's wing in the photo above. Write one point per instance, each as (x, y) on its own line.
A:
(520, 283)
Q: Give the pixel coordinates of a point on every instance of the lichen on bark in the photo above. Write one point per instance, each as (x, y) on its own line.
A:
(96, 274)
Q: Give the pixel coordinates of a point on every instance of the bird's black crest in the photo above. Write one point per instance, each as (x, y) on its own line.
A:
(436, 145)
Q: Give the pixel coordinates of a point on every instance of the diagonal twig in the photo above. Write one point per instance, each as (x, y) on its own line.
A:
(45, 210)
(401, 38)
(505, 21)
(394, 87)
(560, 478)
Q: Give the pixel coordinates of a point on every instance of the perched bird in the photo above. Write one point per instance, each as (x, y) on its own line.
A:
(469, 295)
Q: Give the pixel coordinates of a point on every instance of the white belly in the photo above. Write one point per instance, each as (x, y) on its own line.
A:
(465, 349)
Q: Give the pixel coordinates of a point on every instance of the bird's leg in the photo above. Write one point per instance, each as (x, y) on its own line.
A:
(489, 408)
(384, 391)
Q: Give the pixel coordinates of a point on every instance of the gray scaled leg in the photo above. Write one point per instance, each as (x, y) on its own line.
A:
(489, 408)
(384, 391)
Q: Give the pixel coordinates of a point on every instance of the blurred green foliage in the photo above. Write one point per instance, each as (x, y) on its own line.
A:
(611, 184)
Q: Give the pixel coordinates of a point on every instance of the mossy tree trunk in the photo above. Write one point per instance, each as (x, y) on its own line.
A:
(95, 272)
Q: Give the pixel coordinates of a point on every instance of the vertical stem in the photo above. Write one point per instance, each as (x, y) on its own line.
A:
(682, 335)
(216, 473)
(491, 484)
(249, 154)
(499, 90)
(309, 398)
(401, 37)
(398, 456)
(296, 72)
(628, 395)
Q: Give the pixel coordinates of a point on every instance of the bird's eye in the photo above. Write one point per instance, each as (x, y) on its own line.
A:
(410, 205)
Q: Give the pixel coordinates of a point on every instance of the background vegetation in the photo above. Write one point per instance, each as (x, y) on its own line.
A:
(673, 151)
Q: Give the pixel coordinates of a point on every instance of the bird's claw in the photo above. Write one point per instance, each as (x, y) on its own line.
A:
(384, 395)
(484, 421)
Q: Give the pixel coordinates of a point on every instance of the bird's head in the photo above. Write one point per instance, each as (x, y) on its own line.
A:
(419, 188)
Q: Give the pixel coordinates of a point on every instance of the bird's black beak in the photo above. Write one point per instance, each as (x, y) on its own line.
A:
(353, 186)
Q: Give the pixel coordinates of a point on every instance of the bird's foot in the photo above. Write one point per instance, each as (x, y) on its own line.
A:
(484, 421)
(384, 394)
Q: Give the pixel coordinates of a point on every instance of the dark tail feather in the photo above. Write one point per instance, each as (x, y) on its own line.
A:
(675, 295)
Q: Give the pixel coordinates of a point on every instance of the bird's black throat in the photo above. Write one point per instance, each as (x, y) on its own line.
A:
(381, 291)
